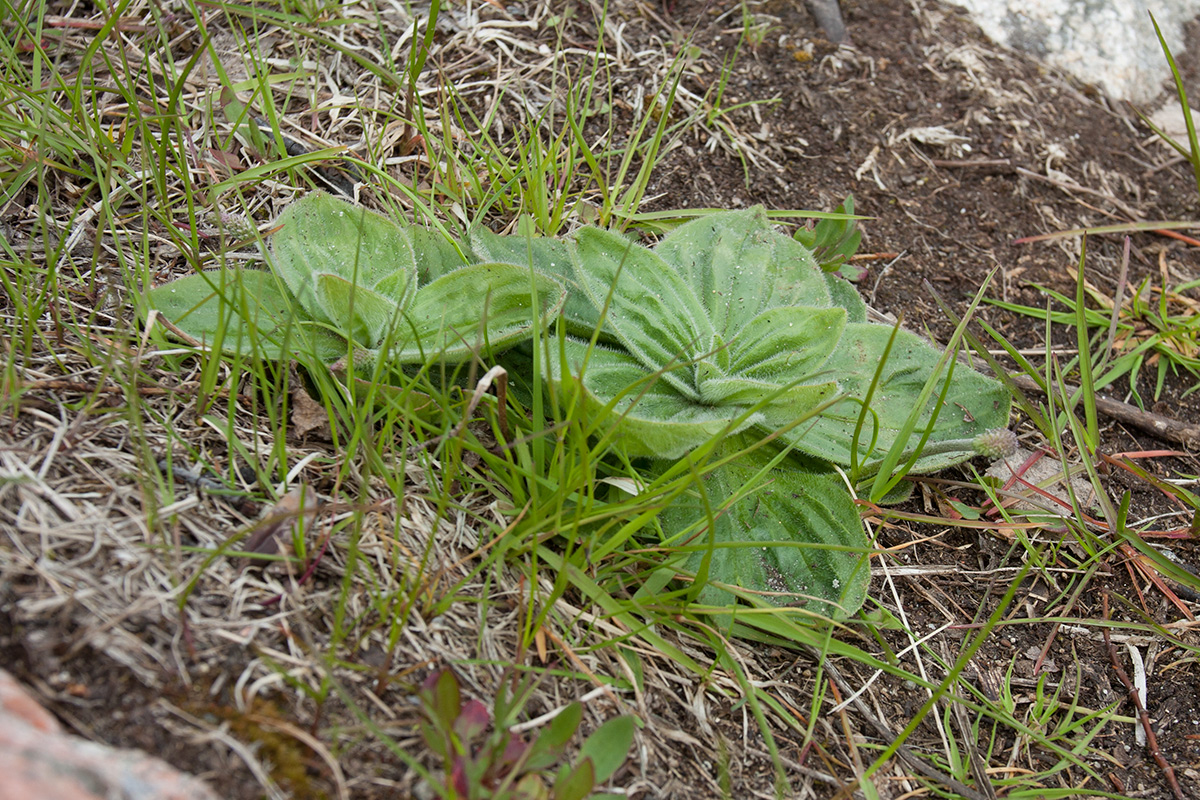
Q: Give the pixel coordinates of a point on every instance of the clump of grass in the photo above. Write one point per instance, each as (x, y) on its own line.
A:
(1153, 329)
(407, 471)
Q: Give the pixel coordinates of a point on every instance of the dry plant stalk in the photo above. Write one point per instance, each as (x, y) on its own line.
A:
(274, 534)
(1143, 714)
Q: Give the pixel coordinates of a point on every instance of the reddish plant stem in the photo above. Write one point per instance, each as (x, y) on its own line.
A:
(1143, 715)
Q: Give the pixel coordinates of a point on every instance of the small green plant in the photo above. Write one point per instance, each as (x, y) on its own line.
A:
(501, 763)
(834, 242)
(1192, 151)
(724, 351)
(1155, 327)
(731, 350)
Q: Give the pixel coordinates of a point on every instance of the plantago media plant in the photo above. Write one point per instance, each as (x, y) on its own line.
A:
(725, 346)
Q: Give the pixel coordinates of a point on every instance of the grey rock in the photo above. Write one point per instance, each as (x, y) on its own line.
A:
(828, 15)
(1110, 43)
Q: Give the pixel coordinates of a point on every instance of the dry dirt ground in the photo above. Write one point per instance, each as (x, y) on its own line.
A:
(98, 634)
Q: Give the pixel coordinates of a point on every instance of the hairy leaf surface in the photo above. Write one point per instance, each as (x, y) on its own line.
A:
(740, 266)
(365, 316)
(498, 313)
(242, 311)
(973, 405)
(792, 340)
(320, 234)
(649, 308)
(548, 256)
(791, 532)
(348, 271)
(650, 417)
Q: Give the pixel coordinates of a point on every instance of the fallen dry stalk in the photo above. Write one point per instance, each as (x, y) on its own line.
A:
(1165, 428)
(1143, 715)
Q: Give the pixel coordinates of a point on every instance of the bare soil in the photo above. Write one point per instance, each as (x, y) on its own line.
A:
(1034, 153)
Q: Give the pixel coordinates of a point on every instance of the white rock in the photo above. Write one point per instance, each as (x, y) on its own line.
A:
(1110, 43)
(1048, 474)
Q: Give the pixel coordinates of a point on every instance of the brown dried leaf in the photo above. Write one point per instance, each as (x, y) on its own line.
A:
(274, 533)
(228, 160)
(308, 416)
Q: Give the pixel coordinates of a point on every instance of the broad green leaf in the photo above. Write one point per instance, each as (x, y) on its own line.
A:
(355, 310)
(608, 746)
(550, 257)
(737, 392)
(553, 739)
(846, 296)
(320, 234)
(397, 287)
(793, 532)
(792, 340)
(575, 783)
(974, 405)
(482, 305)
(444, 700)
(653, 313)
(651, 418)
(242, 311)
(436, 254)
(740, 266)
(563, 726)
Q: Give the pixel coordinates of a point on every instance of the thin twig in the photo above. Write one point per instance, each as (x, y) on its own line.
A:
(967, 740)
(213, 487)
(1165, 428)
(1143, 715)
(1006, 165)
(994, 164)
(1075, 187)
(82, 387)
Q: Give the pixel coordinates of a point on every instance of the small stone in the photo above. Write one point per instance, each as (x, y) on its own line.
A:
(37, 759)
